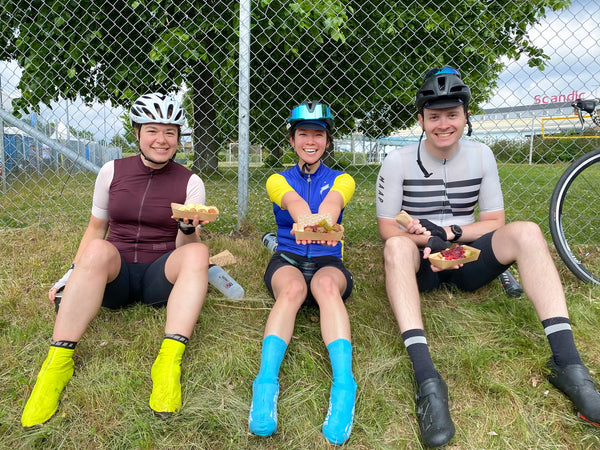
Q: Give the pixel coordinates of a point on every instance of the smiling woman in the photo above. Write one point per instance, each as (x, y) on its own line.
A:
(158, 143)
(149, 257)
(307, 272)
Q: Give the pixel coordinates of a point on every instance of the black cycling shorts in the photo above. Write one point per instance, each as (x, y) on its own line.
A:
(470, 276)
(308, 266)
(144, 283)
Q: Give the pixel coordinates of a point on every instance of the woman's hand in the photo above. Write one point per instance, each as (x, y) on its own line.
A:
(311, 241)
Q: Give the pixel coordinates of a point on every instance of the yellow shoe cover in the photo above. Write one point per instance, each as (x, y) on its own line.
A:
(51, 380)
(166, 372)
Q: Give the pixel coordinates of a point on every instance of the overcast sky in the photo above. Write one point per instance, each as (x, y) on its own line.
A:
(571, 39)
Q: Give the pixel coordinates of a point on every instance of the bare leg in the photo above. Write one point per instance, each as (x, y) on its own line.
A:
(187, 269)
(98, 265)
(524, 243)
(289, 290)
(401, 258)
(327, 286)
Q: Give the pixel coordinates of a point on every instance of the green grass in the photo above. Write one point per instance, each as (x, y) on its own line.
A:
(491, 349)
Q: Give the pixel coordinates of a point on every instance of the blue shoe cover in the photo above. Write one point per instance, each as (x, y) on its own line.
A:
(340, 416)
(262, 420)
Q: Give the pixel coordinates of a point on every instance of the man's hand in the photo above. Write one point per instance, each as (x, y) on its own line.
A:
(435, 230)
(436, 244)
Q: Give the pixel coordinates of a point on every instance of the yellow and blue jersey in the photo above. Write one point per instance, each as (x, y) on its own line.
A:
(313, 188)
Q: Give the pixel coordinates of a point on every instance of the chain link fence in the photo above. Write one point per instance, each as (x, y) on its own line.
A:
(70, 69)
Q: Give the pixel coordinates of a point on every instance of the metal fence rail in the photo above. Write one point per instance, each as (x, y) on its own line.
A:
(70, 70)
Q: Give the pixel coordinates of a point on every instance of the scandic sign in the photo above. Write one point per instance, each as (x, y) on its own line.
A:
(559, 98)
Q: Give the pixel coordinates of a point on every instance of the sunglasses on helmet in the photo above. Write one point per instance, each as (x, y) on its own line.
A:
(302, 112)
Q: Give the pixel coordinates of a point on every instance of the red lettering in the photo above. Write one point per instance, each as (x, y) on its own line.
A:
(558, 98)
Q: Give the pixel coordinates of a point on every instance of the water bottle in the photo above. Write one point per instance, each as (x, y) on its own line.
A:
(219, 278)
(270, 241)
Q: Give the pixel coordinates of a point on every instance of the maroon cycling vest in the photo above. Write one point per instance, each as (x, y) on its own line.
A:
(139, 207)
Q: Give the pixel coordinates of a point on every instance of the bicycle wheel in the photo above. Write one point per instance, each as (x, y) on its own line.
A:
(575, 217)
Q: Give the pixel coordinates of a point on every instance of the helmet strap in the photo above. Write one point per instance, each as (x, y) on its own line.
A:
(469, 125)
(303, 168)
(421, 166)
(155, 162)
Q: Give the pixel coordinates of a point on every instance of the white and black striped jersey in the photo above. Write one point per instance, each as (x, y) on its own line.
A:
(450, 194)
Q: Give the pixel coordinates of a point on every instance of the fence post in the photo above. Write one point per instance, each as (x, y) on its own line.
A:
(2, 158)
(244, 112)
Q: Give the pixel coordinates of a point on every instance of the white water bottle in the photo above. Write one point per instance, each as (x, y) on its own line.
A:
(219, 278)
(270, 241)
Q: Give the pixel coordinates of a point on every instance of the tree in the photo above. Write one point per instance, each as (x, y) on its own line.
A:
(370, 75)
(120, 141)
(363, 58)
(117, 49)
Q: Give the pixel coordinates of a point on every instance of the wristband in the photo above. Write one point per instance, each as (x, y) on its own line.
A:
(186, 228)
(60, 284)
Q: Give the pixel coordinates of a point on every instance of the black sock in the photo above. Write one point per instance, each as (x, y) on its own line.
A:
(418, 351)
(177, 337)
(64, 344)
(560, 336)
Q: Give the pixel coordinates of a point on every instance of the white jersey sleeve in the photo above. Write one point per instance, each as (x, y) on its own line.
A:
(490, 194)
(390, 181)
(195, 192)
(101, 190)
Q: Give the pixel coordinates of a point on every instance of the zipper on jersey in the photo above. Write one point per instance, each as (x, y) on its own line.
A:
(308, 246)
(139, 228)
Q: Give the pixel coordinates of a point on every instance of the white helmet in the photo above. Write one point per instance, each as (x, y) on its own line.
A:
(157, 108)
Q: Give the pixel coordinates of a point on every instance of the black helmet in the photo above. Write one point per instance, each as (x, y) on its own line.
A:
(442, 88)
(311, 114)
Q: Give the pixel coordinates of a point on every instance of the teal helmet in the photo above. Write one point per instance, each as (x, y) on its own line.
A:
(310, 115)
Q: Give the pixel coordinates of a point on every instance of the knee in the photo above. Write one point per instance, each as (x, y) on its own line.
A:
(97, 253)
(324, 286)
(527, 233)
(294, 293)
(195, 256)
(399, 249)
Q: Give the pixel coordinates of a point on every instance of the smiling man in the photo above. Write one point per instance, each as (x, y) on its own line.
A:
(439, 181)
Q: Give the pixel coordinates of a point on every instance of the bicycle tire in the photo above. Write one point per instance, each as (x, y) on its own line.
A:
(574, 217)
